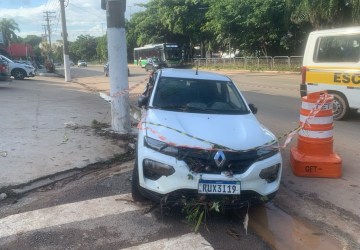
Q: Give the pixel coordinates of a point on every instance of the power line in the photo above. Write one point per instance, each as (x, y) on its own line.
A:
(92, 13)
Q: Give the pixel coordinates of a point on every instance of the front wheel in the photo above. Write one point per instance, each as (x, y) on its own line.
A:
(18, 74)
(340, 107)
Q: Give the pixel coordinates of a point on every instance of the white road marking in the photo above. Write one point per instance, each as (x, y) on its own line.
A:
(66, 213)
(186, 241)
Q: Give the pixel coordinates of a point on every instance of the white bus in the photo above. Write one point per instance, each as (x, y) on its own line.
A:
(168, 53)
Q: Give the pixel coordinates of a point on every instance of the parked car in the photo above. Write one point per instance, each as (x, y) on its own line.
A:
(82, 63)
(24, 62)
(200, 138)
(19, 70)
(106, 69)
(4, 70)
(154, 64)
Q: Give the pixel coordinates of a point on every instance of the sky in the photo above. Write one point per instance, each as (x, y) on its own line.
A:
(83, 17)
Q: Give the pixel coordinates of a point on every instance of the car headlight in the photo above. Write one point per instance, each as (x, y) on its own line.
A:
(29, 67)
(153, 170)
(267, 151)
(160, 146)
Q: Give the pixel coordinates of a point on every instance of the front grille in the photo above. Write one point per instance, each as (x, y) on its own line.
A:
(202, 161)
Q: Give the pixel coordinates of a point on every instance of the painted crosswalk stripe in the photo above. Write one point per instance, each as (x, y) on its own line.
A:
(186, 241)
(67, 213)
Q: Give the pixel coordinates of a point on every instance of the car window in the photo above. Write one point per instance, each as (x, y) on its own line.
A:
(197, 95)
(338, 49)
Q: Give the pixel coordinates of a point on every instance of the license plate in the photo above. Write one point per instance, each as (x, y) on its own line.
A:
(219, 187)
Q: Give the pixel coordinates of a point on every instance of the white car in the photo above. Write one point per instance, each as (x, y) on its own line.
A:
(199, 138)
(19, 70)
(82, 63)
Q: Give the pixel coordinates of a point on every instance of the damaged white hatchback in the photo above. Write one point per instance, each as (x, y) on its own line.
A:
(199, 138)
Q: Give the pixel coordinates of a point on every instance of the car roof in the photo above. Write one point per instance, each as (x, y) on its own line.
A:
(347, 30)
(191, 74)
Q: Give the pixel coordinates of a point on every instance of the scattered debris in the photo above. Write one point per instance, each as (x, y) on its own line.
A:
(3, 153)
(71, 125)
(99, 125)
(232, 232)
(66, 139)
(246, 222)
(3, 196)
(105, 96)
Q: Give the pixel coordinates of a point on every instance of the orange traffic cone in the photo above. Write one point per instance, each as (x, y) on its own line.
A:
(314, 156)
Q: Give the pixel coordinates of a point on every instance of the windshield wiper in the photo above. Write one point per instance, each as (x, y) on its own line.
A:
(171, 107)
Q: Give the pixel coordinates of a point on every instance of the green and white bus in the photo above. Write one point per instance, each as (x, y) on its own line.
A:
(168, 53)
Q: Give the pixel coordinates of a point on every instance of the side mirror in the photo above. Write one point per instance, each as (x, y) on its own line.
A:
(143, 101)
(253, 108)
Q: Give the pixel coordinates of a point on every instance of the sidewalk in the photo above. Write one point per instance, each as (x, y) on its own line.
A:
(46, 129)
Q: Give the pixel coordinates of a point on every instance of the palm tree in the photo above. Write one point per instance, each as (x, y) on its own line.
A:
(8, 28)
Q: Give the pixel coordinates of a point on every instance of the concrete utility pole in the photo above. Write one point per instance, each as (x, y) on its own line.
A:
(47, 19)
(118, 68)
(65, 45)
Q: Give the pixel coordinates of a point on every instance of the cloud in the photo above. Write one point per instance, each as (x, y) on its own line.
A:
(82, 17)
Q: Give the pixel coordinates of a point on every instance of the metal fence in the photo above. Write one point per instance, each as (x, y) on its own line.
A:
(292, 63)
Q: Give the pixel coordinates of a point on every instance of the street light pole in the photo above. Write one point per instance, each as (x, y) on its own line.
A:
(65, 43)
(118, 68)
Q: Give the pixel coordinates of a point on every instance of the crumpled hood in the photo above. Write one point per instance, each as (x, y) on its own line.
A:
(237, 132)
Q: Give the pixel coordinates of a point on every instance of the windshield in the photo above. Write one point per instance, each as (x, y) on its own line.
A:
(173, 54)
(199, 96)
(7, 59)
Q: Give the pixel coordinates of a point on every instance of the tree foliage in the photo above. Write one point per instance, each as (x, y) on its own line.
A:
(101, 48)
(325, 13)
(8, 28)
(252, 27)
(255, 27)
(83, 48)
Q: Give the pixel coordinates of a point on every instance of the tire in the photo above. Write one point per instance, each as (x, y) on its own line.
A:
(340, 107)
(18, 74)
(135, 186)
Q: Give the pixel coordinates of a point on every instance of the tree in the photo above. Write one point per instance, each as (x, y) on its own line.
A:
(34, 41)
(101, 48)
(83, 48)
(185, 18)
(252, 26)
(325, 13)
(8, 28)
(57, 51)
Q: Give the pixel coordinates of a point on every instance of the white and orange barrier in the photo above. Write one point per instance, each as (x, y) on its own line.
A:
(314, 156)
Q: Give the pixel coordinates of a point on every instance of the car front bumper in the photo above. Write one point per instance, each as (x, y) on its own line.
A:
(183, 181)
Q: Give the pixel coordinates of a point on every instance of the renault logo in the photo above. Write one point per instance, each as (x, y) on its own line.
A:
(219, 158)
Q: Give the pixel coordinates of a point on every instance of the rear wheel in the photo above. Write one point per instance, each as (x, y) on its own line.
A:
(18, 74)
(135, 186)
(340, 107)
